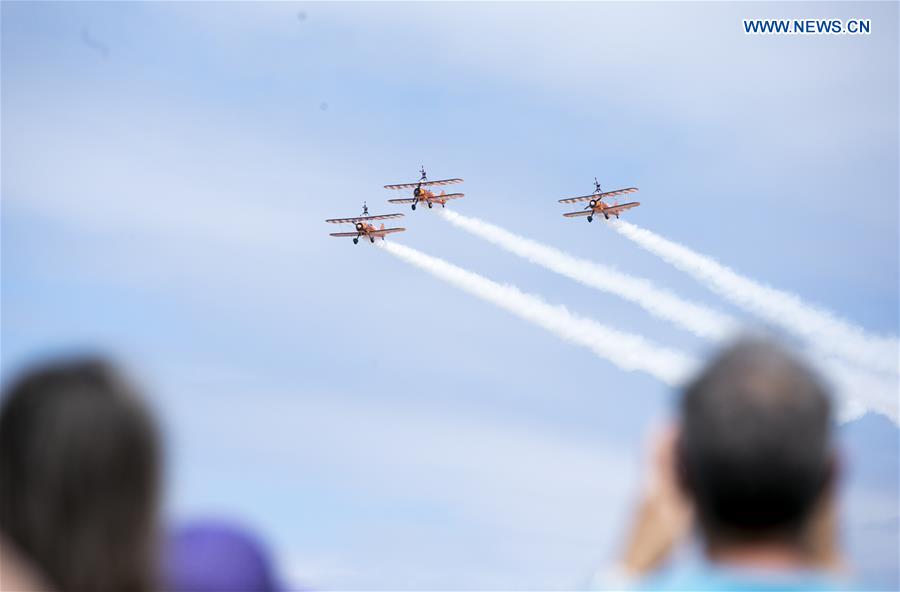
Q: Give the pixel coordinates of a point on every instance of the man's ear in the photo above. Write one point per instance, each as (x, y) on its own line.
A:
(832, 475)
(822, 525)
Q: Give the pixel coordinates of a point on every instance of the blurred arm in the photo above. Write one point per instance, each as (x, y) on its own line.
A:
(663, 516)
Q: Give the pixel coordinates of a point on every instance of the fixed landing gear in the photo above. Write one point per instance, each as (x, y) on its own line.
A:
(443, 205)
(429, 205)
(607, 216)
(590, 218)
(372, 239)
(414, 207)
(356, 241)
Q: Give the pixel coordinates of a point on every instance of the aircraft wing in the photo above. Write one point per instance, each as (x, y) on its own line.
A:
(424, 184)
(442, 182)
(343, 234)
(409, 200)
(402, 186)
(598, 195)
(579, 213)
(618, 192)
(578, 199)
(387, 231)
(363, 219)
(621, 207)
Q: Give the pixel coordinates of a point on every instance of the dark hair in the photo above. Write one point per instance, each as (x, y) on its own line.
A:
(79, 467)
(755, 447)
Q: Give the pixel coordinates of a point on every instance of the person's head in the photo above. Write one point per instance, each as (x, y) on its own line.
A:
(79, 476)
(754, 451)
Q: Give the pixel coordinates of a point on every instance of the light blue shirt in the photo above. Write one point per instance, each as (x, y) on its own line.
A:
(710, 576)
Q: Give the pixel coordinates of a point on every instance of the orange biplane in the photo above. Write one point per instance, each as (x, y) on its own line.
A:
(596, 204)
(425, 195)
(364, 228)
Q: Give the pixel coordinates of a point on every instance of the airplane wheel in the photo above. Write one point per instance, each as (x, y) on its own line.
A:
(607, 217)
(356, 241)
(414, 207)
(372, 240)
(590, 218)
(617, 217)
(429, 206)
(443, 206)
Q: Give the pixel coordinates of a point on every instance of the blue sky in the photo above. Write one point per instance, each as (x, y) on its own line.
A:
(163, 200)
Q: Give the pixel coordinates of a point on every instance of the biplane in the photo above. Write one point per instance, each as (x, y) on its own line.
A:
(420, 193)
(364, 226)
(596, 205)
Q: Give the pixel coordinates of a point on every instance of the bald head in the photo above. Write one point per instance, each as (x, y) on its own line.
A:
(755, 450)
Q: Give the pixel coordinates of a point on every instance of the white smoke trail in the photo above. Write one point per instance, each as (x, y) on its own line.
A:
(626, 350)
(859, 391)
(820, 328)
(698, 319)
